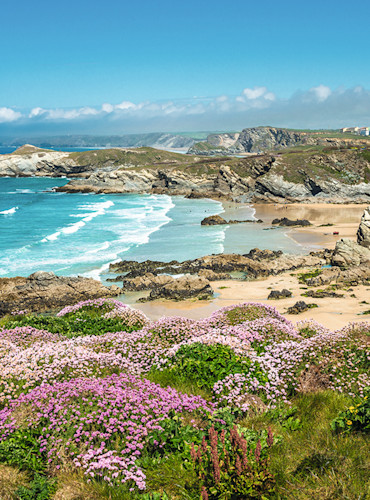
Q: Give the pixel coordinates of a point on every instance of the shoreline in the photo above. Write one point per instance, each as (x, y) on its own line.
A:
(333, 313)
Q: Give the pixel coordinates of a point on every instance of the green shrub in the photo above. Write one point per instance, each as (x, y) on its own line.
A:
(206, 364)
(41, 488)
(72, 325)
(22, 449)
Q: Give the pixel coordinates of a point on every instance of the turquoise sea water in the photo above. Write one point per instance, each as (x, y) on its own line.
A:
(74, 234)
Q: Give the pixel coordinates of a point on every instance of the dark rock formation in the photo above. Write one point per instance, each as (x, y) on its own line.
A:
(287, 222)
(322, 294)
(300, 307)
(257, 254)
(217, 220)
(43, 291)
(279, 294)
(213, 220)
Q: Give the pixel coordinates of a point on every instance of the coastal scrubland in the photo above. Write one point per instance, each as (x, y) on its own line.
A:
(99, 402)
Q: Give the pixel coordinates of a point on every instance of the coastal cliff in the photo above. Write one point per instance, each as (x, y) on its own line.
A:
(262, 139)
(305, 174)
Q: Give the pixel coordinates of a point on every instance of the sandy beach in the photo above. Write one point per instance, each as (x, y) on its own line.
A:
(333, 313)
(344, 219)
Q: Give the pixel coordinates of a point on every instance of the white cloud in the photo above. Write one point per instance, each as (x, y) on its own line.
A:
(9, 115)
(322, 92)
(317, 107)
(257, 93)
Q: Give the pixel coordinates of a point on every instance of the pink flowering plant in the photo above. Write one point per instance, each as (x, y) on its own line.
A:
(100, 426)
(74, 388)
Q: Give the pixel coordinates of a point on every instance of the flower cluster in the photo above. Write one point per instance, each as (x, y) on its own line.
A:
(99, 425)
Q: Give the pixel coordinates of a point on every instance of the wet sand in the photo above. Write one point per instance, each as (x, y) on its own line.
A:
(345, 220)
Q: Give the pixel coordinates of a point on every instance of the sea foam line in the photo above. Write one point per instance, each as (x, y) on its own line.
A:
(97, 209)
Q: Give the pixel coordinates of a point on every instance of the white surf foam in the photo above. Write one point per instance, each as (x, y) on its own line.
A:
(10, 211)
(96, 210)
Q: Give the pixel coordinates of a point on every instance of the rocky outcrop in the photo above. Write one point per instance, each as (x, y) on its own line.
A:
(274, 263)
(348, 253)
(363, 232)
(213, 220)
(353, 276)
(279, 294)
(287, 222)
(43, 291)
(260, 139)
(186, 287)
(217, 220)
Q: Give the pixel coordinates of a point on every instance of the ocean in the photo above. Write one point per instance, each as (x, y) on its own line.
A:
(80, 234)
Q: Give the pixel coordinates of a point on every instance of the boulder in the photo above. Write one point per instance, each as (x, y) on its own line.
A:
(279, 294)
(348, 253)
(186, 287)
(300, 307)
(44, 291)
(363, 232)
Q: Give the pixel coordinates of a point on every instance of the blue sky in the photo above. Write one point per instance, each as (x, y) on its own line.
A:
(67, 66)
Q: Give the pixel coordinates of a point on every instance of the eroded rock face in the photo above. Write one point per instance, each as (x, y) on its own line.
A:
(349, 253)
(363, 232)
(354, 276)
(43, 291)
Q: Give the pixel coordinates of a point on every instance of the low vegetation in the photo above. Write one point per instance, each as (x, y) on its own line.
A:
(99, 402)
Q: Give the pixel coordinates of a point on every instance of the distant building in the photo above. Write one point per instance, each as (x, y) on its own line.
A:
(355, 130)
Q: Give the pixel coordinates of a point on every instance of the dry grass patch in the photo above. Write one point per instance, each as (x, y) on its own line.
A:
(10, 480)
